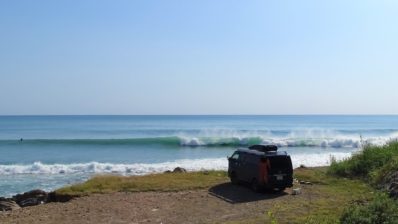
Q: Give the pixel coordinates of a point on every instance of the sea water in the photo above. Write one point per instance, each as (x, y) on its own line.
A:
(48, 152)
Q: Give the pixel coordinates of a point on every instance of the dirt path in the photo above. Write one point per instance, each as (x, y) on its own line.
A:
(221, 203)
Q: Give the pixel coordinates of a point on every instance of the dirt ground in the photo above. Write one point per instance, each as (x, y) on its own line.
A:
(219, 204)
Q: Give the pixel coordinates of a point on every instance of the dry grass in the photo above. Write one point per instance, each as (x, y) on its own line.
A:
(154, 182)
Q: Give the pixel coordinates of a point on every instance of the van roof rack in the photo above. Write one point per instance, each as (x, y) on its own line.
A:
(264, 148)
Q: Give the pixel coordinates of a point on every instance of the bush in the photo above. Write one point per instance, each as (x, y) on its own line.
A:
(381, 176)
(366, 162)
(381, 210)
(375, 164)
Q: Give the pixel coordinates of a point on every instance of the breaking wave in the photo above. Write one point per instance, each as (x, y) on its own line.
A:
(126, 169)
(310, 160)
(338, 141)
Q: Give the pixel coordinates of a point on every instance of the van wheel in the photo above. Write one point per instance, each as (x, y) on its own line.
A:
(280, 190)
(234, 179)
(254, 186)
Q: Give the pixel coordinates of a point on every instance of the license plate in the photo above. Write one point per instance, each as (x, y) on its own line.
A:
(279, 177)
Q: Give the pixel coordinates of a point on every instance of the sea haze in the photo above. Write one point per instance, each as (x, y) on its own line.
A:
(48, 152)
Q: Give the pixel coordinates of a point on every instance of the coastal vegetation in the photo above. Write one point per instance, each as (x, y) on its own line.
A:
(377, 165)
(381, 209)
(372, 163)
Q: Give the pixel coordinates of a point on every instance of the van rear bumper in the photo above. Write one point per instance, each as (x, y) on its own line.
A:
(280, 181)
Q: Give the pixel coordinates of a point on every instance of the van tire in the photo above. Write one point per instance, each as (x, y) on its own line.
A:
(234, 179)
(255, 186)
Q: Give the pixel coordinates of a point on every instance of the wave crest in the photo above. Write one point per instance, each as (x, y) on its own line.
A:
(291, 140)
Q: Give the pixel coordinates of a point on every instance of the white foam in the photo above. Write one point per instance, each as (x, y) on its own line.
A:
(338, 141)
(317, 159)
(128, 169)
(325, 143)
(191, 141)
(310, 160)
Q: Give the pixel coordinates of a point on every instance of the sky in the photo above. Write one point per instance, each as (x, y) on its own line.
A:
(198, 57)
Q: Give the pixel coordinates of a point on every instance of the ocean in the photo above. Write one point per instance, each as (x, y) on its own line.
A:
(48, 152)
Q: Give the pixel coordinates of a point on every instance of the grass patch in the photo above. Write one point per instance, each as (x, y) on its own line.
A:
(154, 182)
(321, 203)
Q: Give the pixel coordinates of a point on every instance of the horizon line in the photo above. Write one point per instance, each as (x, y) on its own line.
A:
(309, 114)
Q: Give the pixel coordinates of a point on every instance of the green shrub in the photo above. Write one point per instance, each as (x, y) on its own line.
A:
(381, 210)
(380, 176)
(366, 162)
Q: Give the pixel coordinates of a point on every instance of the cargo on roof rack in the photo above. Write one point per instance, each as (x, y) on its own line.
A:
(264, 148)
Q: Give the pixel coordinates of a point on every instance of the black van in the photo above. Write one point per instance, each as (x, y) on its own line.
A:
(262, 166)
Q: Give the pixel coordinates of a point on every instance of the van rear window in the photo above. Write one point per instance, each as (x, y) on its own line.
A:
(280, 163)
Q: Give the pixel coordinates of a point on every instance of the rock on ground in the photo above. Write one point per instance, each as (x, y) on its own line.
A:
(30, 198)
(179, 170)
(8, 205)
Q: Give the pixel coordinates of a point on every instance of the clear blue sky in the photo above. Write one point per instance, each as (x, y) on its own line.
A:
(199, 57)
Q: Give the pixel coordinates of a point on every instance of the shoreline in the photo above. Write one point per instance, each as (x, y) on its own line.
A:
(50, 177)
